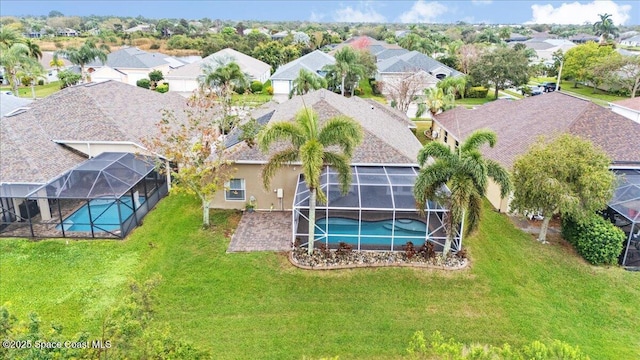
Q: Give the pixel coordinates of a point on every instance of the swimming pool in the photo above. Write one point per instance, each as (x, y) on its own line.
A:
(372, 232)
(104, 213)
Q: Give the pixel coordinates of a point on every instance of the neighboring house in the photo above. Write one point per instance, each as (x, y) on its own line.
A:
(545, 48)
(519, 124)
(185, 78)
(143, 28)
(134, 63)
(517, 37)
(34, 34)
(388, 140)
(583, 38)
(67, 32)
(52, 71)
(413, 63)
(629, 108)
(261, 30)
(10, 104)
(632, 41)
(59, 133)
(379, 49)
(283, 78)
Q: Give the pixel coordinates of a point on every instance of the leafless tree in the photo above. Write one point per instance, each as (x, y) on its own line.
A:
(403, 88)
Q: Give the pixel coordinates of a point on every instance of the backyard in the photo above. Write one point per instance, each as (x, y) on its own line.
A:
(516, 290)
(41, 90)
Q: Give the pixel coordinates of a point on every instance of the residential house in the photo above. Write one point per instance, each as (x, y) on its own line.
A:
(67, 32)
(629, 108)
(583, 38)
(381, 50)
(131, 64)
(415, 64)
(143, 28)
(58, 134)
(545, 48)
(632, 41)
(185, 78)
(52, 71)
(519, 124)
(283, 78)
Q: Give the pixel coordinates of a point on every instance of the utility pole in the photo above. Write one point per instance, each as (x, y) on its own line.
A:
(559, 75)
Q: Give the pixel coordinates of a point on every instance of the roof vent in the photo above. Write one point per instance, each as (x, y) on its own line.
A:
(16, 111)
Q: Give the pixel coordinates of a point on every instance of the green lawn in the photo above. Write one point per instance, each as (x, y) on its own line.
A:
(515, 291)
(41, 90)
(471, 102)
(251, 99)
(600, 97)
(421, 126)
(367, 92)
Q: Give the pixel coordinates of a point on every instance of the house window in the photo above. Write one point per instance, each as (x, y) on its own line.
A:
(446, 137)
(234, 190)
(457, 144)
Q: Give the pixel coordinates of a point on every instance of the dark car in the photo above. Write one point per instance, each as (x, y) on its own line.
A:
(549, 86)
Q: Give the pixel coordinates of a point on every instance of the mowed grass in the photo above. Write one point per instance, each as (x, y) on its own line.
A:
(599, 97)
(41, 90)
(257, 305)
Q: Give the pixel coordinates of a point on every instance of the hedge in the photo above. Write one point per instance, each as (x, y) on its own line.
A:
(597, 240)
(477, 92)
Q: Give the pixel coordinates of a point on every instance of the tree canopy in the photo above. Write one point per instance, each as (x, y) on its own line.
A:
(578, 59)
(567, 176)
(500, 68)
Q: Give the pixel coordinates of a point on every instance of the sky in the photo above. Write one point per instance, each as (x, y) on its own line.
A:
(417, 11)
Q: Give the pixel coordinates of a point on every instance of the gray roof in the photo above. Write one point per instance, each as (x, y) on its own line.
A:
(536, 44)
(132, 58)
(248, 64)
(313, 62)
(106, 111)
(233, 137)
(389, 53)
(413, 61)
(8, 103)
(387, 138)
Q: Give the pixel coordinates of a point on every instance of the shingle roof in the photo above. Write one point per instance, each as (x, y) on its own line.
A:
(107, 111)
(132, 58)
(233, 137)
(8, 103)
(389, 53)
(520, 123)
(387, 140)
(313, 62)
(251, 66)
(412, 61)
(633, 103)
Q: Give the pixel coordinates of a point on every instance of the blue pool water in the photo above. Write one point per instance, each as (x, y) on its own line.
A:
(372, 232)
(104, 213)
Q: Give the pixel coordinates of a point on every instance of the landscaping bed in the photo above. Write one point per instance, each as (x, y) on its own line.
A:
(345, 258)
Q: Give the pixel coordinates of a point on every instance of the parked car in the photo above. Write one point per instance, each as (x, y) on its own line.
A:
(531, 90)
(549, 86)
(536, 90)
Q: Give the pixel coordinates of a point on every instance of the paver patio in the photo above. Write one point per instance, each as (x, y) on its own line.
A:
(262, 231)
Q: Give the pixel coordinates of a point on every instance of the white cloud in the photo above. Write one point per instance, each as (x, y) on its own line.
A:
(481, 2)
(364, 12)
(424, 12)
(316, 16)
(577, 13)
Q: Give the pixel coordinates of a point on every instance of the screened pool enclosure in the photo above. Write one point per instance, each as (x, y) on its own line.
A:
(624, 212)
(104, 197)
(378, 213)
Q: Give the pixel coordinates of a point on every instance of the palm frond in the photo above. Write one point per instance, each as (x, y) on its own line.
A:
(479, 138)
(500, 176)
(429, 181)
(307, 120)
(474, 212)
(340, 163)
(280, 131)
(434, 149)
(342, 131)
(277, 161)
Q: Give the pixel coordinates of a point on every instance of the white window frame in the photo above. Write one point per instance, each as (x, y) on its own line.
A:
(243, 188)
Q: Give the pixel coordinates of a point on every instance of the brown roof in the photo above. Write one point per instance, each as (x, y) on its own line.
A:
(387, 138)
(520, 123)
(633, 103)
(108, 111)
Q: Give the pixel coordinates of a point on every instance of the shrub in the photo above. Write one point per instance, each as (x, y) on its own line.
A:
(162, 88)
(41, 82)
(597, 240)
(357, 91)
(256, 86)
(239, 90)
(68, 78)
(477, 92)
(270, 90)
(144, 83)
(154, 46)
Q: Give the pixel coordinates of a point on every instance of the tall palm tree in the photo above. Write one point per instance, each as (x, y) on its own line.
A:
(305, 82)
(309, 144)
(14, 59)
(605, 28)
(32, 72)
(347, 64)
(8, 37)
(466, 172)
(87, 53)
(34, 49)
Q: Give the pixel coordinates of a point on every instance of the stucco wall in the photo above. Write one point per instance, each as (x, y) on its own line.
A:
(281, 87)
(92, 150)
(286, 179)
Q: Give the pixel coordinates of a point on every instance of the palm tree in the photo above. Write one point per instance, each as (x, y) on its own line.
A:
(466, 172)
(455, 85)
(14, 59)
(8, 37)
(436, 101)
(305, 82)
(34, 49)
(309, 143)
(56, 62)
(221, 78)
(87, 53)
(347, 64)
(32, 72)
(605, 28)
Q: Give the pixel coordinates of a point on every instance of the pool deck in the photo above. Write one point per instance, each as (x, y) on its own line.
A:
(262, 231)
